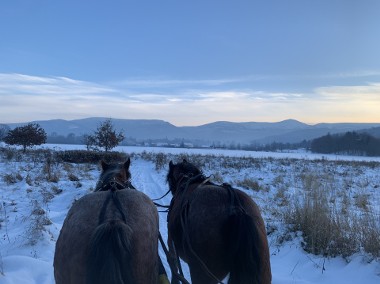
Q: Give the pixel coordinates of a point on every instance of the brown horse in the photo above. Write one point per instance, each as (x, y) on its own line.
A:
(109, 236)
(215, 229)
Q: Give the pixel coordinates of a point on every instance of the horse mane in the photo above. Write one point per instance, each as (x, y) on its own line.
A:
(184, 169)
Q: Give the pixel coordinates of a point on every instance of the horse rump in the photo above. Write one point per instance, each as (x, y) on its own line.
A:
(249, 248)
(109, 259)
(243, 245)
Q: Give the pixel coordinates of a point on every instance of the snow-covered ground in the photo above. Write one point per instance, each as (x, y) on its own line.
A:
(35, 197)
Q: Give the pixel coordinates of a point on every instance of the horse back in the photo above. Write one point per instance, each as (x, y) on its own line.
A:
(219, 224)
(82, 221)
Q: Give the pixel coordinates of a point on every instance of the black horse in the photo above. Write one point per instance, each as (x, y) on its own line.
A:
(217, 230)
(109, 236)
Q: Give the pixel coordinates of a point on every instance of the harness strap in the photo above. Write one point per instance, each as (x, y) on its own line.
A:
(179, 276)
(113, 184)
(205, 181)
(112, 195)
(160, 205)
(116, 201)
(156, 199)
(103, 210)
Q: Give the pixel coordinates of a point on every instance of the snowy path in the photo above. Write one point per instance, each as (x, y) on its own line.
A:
(146, 179)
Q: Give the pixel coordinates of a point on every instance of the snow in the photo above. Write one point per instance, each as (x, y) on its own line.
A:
(292, 265)
(33, 209)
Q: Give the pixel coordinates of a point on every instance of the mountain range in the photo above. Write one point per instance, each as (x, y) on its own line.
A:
(287, 131)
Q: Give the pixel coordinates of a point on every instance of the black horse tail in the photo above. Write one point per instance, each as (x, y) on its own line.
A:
(109, 259)
(245, 241)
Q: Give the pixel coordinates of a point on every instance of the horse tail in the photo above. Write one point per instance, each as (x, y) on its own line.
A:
(109, 258)
(245, 244)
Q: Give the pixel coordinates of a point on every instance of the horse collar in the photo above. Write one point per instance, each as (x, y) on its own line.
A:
(115, 185)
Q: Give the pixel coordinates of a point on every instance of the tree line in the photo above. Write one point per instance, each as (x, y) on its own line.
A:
(349, 143)
(106, 137)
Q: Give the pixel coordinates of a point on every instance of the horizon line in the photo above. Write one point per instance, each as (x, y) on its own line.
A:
(187, 125)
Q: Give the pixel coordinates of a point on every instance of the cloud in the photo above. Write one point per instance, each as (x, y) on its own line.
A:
(163, 82)
(25, 84)
(359, 103)
(370, 92)
(25, 98)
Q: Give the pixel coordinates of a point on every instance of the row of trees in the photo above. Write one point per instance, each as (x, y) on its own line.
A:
(33, 134)
(106, 137)
(277, 146)
(351, 143)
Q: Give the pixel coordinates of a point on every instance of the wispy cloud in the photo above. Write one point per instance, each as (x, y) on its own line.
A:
(157, 82)
(370, 92)
(25, 98)
(25, 84)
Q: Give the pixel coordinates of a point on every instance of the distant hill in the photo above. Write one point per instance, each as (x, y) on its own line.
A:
(287, 131)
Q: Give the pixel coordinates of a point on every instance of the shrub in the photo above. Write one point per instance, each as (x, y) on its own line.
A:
(56, 190)
(12, 178)
(324, 231)
(51, 170)
(161, 160)
(9, 153)
(249, 183)
(370, 237)
(361, 201)
(72, 177)
(281, 197)
(217, 178)
(93, 157)
(38, 222)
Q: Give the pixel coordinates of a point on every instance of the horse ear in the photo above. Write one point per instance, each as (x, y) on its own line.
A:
(127, 164)
(104, 165)
(171, 165)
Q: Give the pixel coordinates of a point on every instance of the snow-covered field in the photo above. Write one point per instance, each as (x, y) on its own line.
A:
(36, 195)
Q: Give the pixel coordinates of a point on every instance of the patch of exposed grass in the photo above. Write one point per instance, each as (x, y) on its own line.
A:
(12, 178)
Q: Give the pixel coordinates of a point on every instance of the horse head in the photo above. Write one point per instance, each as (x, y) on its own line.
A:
(180, 172)
(114, 176)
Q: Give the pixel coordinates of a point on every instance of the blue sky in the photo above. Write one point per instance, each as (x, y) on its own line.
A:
(190, 62)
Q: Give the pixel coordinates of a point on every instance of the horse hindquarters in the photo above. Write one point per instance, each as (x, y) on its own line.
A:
(109, 259)
(250, 249)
